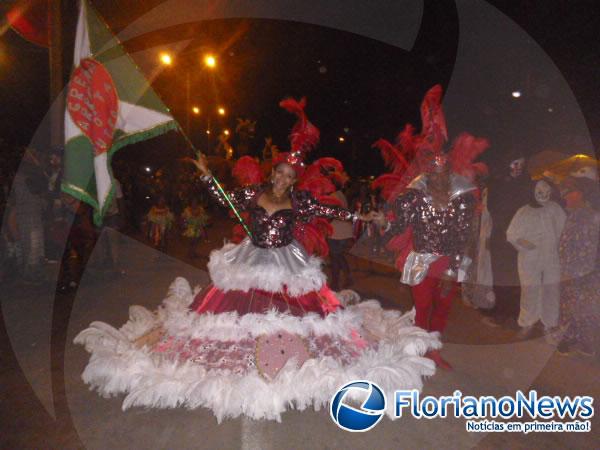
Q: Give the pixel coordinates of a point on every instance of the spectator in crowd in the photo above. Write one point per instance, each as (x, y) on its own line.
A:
(29, 190)
(10, 243)
(479, 290)
(80, 243)
(54, 217)
(580, 267)
(376, 205)
(113, 222)
(506, 194)
(340, 242)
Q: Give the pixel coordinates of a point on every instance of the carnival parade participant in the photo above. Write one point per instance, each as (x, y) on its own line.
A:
(535, 232)
(160, 220)
(435, 213)
(267, 325)
(195, 221)
(579, 252)
(508, 191)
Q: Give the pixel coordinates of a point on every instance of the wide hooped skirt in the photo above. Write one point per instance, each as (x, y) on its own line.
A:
(287, 340)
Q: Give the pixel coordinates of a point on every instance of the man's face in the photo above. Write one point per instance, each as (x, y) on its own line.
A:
(440, 180)
(516, 167)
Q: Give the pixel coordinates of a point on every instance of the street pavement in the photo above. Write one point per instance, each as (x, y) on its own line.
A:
(44, 403)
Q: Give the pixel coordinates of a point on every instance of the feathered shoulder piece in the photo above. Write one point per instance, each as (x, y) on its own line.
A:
(247, 171)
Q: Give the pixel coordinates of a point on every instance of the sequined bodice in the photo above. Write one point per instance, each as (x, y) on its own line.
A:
(441, 231)
(271, 230)
(277, 229)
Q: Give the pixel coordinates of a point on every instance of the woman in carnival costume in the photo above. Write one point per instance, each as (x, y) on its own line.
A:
(160, 220)
(267, 334)
(195, 220)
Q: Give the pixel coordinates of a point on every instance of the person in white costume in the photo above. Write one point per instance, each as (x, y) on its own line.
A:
(535, 232)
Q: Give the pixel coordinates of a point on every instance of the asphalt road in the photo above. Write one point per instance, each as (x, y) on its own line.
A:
(44, 403)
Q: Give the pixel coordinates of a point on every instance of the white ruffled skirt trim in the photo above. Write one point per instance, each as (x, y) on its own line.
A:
(245, 266)
(117, 366)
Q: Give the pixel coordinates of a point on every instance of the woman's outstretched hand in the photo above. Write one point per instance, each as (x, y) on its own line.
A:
(200, 163)
(368, 217)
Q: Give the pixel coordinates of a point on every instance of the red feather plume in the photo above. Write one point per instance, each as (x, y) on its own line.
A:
(313, 236)
(317, 186)
(465, 150)
(401, 245)
(247, 171)
(407, 141)
(304, 136)
(329, 164)
(390, 185)
(391, 155)
(434, 129)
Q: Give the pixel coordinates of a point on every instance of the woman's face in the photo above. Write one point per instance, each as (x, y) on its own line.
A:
(283, 177)
(543, 191)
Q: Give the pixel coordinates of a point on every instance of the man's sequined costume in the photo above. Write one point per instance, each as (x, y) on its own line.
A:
(439, 239)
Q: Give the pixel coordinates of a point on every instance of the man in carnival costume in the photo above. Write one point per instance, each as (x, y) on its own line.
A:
(433, 212)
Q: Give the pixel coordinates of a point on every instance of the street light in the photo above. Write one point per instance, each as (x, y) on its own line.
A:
(341, 139)
(166, 59)
(226, 132)
(221, 111)
(516, 94)
(210, 61)
(196, 110)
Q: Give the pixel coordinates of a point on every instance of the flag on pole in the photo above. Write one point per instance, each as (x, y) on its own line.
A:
(110, 104)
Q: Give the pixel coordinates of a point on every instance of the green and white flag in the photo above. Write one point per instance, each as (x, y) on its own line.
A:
(110, 104)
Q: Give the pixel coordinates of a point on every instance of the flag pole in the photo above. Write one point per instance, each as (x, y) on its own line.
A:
(55, 62)
(217, 183)
(191, 145)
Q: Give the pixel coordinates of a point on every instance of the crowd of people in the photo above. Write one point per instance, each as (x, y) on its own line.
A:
(533, 243)
(538, 255)
(521, 247)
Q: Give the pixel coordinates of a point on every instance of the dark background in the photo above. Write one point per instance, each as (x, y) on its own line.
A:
(351, 82)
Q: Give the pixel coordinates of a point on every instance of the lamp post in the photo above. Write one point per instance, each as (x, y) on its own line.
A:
(210, 62)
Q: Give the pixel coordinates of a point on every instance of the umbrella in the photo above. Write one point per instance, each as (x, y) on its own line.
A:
(541, 162)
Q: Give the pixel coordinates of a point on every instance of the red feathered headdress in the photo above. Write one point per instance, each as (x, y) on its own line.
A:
(303, 138)
(414, 154)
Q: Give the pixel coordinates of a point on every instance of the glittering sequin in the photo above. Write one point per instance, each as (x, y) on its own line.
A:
(276, 230)
(439, 231)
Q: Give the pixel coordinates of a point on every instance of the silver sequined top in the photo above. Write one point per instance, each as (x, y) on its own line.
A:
(438, 231)
(276, 230)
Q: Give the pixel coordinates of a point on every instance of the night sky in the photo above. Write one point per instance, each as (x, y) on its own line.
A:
(352, 82)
